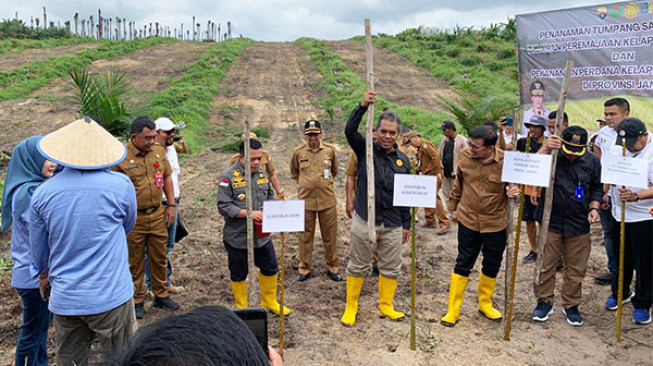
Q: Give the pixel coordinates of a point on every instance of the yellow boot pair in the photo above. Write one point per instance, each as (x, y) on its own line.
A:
(485, 291)
(354, 285)
(239, 289)
(387, 288)
(268, 286)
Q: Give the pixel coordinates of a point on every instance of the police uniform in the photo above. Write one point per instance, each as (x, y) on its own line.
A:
(536, 89)
(231, 200)
(314, 172)
(150, 232)
(429, 164)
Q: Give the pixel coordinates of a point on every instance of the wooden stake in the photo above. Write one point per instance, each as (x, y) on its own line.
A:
(515, 255)
(622, 238)
(281, 289)
(76, 23)
(369, 148)
(250, 223)
(512, 206)
(45, 19)
(548, 196)
(413, 266)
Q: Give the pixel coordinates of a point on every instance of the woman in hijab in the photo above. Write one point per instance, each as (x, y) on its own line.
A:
(27, 170)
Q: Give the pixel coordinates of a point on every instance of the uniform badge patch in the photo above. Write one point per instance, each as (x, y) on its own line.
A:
(241, 197)
(400, 162)
(224, 183)
(236, 173)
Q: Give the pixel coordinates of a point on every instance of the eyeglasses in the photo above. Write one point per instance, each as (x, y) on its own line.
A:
(474, 147)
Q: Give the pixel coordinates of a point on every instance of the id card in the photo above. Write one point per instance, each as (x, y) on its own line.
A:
(158, 179)
(326, 173)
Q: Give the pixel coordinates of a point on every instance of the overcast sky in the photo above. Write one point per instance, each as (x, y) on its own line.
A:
(287, 20)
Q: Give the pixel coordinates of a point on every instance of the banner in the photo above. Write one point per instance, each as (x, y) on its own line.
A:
(611, 46)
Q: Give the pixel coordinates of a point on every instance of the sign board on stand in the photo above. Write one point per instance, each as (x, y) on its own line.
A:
(283, 216)
(415, 190)
(529, 169)
(624, 171)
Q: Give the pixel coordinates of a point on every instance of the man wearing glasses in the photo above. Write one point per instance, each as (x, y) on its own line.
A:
(478, 204)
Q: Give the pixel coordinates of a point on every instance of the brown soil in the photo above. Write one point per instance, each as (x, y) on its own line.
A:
(262, 84)
(148, 71)
(395, 78)
(9, 61)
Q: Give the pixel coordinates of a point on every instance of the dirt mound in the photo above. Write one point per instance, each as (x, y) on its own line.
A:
(9, 61)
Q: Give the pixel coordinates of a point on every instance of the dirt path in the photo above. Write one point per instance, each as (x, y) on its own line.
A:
(395, 78)
(9, 61)
(148, 71)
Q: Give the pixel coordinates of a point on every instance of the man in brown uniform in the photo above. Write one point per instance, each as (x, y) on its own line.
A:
(478, 202)
(150, 172)
(313, 166)
(267, 165)
(429, 164)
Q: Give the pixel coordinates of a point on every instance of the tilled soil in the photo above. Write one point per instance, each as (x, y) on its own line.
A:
(11, 60)
(262, 83)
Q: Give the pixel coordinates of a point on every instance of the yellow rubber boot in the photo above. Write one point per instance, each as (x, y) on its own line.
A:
(354, 285)
(457, 288)
(268, 286)
(387, 288)
(485, 291)
(240, 293)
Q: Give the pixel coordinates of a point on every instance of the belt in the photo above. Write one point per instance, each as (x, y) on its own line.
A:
(149, 210)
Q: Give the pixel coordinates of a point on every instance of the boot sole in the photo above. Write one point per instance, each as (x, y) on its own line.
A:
(394, 320)
(447, 324)
(487, 317)
(543, 319)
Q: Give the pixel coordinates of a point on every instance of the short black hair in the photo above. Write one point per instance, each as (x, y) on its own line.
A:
(389, 116)
(140, 123)
(254, 144)
(621, 103)
(494, 126)
(208, 336)
(486, 133)
(554, 115)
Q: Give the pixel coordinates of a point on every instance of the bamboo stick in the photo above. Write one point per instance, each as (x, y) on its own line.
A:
(250, 223)
(622, 238)
(368, 138)
(413, 266)
(512, 205)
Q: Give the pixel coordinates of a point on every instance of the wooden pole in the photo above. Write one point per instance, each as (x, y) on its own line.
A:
(45, 18)
(622, 238)
(512, 206)
(281, 289)
(515, 254)
(413, 269)
(99, 24)
(548, 196)
(193, 26)
(368, 138)
(250, 223)
(76, 24)
(83, 27)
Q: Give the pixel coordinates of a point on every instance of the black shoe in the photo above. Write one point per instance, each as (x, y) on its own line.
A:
(375, 272)
(165, 303)
(530, 257)
(337, 277)
(604, 279)
(303, 277)
(139, 310)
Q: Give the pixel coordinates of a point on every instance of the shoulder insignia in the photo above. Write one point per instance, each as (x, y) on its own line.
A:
(236, 173)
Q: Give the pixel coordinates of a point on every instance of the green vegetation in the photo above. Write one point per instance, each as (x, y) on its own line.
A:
(19, 45)
(346, 89)
(261, 132)
(15, 28)
(99, 97)
(476, 62)
(189, 97)
(22, 81)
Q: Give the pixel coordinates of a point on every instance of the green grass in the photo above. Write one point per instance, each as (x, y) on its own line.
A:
(22, 81)
(189, 97)
(14, 45)
(346, 89)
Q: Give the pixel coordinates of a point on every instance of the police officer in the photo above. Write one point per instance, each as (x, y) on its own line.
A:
(537, 98)
(266, 164)
(313, 166)
(150, 172)
(232, 206)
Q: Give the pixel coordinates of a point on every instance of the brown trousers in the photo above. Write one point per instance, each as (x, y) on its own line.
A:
(329, 229)
(75, 334)
(575, 251)
(151, 233)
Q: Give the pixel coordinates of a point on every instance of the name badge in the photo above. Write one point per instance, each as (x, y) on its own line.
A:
(326, 173)
(158, 179)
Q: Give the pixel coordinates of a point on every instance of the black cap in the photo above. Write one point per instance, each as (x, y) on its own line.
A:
(630, 129)
(448, 124)
(537, 88)
(312, 126)
(574, 141)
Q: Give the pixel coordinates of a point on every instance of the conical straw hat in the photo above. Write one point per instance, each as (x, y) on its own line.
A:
(82, 144)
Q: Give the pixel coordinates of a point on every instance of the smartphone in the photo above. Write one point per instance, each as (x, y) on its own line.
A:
(257, 321)
(176, 138)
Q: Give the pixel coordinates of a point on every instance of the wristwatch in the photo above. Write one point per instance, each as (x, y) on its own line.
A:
(636, 197)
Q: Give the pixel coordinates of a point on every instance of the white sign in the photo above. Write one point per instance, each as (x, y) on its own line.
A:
(283, 216)
(624, 171)
(529, 169)
(415, 190)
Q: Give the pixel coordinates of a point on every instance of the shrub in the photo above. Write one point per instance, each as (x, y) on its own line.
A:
(505, 53)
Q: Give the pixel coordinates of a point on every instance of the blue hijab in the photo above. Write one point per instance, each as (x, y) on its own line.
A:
(23, 176)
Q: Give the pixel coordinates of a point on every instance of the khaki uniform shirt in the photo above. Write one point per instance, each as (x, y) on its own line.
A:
(141, 168)
(266, 163)
(352, 165)
(429, 159)
(479, 195)
(410, 151)
(314, 172)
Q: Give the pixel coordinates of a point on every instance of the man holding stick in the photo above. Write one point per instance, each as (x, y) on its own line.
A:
(638, 242)
(392, 224)
(576, 198)
(478, 203)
